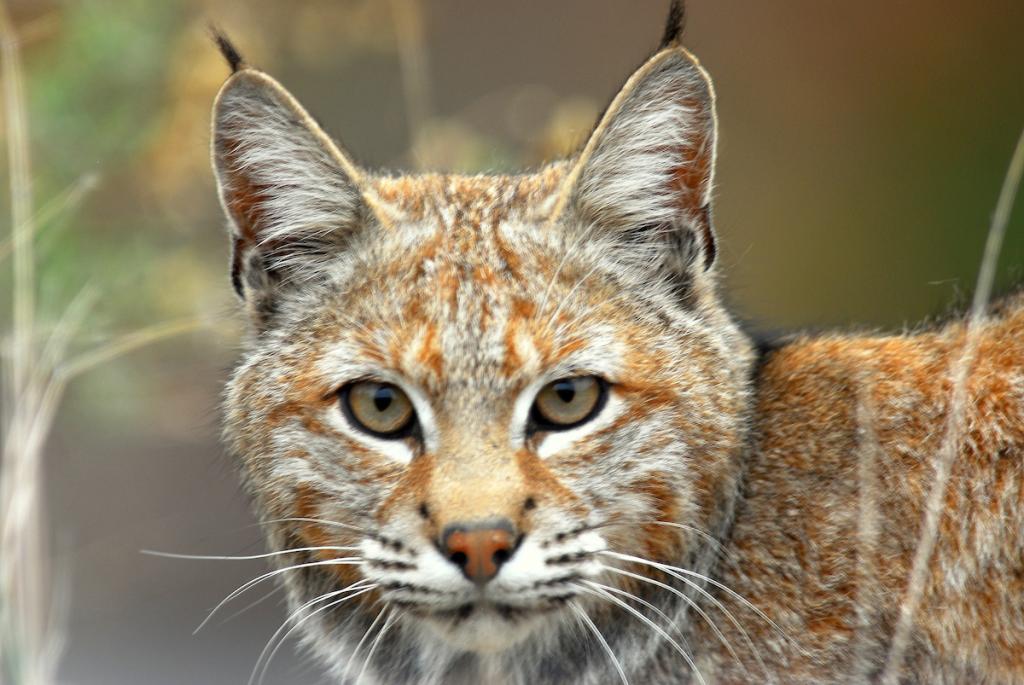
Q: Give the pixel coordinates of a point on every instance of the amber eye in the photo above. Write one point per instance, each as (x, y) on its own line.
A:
(380, 409)
(568, 402)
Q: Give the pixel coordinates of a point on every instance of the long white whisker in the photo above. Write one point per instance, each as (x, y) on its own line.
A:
(284, 626)
(250, 605)
(353, 590)
(260, 524)
(393, 614)
(704, 593)
(653, 626)
(352, 657)
(643, 602)
(212, 557)
(270, 574)
(701, 612)
(672, 570)
(693, 529)
(325, 522)
(567, 297)
(558, 270)
(585, 620)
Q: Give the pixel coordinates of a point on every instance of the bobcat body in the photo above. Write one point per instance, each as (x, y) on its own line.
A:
(502, 428)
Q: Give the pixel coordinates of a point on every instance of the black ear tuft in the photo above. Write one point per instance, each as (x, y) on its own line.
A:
(675, 24)
(227, 49)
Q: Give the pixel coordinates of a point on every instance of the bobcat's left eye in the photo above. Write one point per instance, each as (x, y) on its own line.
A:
(568, 402)
(380, 409)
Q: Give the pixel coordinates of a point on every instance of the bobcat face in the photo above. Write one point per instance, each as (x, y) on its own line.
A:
(461, 394)
(475, 321)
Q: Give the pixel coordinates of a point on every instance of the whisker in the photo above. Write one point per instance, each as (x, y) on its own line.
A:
(585, 620)
(643, 602)
(558, 271)
(212, 557)
(325, 522)
(577, 244)
(567, 297)
(694, 529)
(259, 524)
(393, 614)
(250, 605)
(354, 590)
(735, 595)
(270, 574)
(355, 652)
(701, 612)
(607, 523)
(284, 625)
(653, 626)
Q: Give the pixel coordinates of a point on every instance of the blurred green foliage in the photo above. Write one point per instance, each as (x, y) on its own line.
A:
(83, 123)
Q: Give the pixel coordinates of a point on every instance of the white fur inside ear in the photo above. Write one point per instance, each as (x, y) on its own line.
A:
(629, 179)
(650, 163)
(272, 160)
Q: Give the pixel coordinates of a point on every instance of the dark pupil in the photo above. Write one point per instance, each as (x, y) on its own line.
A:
(565, 390)
(383, 397)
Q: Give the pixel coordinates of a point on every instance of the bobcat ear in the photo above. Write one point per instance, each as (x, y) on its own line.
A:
(646, 173)
(291, 196)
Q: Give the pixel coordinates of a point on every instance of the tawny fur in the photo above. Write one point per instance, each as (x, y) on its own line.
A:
(794, 546)
(755, 476)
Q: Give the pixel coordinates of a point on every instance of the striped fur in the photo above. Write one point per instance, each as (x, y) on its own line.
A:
(471, 293)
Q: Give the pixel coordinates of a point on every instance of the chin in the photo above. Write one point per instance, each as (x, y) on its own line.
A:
(486, 628)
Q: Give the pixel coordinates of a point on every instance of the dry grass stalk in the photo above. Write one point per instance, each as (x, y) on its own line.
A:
(27, 651)
(126, 343)
(957, 418)
(21, 198)
(414, 66)
(31, 607)
(66, 201)
(869, 454)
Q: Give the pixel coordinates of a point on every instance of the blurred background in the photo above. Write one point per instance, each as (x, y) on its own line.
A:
(862, 149)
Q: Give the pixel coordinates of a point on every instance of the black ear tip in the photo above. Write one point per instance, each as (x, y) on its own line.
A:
(228, 49)
(674, 24)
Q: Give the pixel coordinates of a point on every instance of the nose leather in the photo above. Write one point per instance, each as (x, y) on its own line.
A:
(479, 548)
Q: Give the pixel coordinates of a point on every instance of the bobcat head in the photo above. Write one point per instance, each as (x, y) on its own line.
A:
(467, 403)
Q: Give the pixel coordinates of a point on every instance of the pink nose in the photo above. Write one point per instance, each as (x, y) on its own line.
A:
(479, 550)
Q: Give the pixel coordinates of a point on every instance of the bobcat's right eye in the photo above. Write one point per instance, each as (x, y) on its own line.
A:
(568, 402)
(380, 409)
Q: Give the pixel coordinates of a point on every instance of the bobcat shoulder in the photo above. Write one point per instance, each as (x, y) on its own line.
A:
(845, 421)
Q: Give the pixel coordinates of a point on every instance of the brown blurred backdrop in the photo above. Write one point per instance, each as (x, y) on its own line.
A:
(862, 149)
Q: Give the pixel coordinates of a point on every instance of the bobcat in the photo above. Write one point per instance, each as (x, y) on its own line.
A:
(502, 429)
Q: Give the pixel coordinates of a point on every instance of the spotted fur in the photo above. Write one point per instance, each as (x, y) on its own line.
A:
(472, 293)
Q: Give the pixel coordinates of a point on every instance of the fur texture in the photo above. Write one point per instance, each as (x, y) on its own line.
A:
(705, 525)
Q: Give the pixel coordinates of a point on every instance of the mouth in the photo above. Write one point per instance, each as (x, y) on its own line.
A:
(500, 604)
(487, 610)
